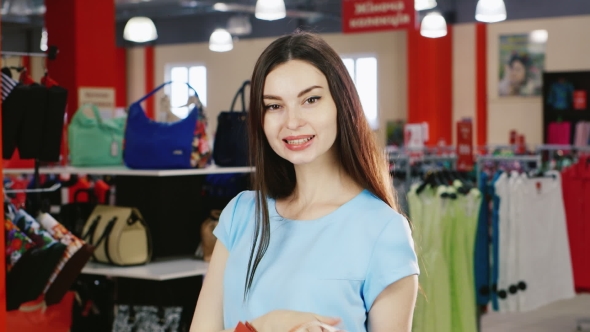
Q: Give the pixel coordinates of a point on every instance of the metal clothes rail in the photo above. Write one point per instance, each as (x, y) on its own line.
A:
(537, 158)
(9, 53)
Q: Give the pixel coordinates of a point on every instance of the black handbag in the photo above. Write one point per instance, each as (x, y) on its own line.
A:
(230, 148)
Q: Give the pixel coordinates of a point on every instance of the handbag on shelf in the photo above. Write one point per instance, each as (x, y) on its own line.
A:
(119, 234)
(94, 141)
(208, 239)
(230, 148)
(155, 145)
(201, 156)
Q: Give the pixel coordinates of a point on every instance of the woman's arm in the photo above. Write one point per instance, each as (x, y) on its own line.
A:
(393, 309)
(208, 315)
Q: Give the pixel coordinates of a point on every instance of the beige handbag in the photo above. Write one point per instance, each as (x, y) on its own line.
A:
(119, 235)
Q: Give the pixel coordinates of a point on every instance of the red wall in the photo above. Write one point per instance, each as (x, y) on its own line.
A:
(430, 82)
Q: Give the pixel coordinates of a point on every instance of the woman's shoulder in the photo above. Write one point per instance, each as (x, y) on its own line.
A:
(372, 208)
(244, 199)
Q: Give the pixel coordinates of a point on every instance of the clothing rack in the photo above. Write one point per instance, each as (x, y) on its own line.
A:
(34, 54)
(395, 154)
(44, 190)
(537, 158)
(37, 191)
(559, 147)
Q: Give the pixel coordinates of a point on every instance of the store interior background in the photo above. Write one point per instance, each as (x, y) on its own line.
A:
(184, 34)
(184, 39)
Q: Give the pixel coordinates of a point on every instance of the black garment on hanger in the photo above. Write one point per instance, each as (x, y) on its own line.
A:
(33, 122)
(12, 119)
(30, 137)
(51, 135)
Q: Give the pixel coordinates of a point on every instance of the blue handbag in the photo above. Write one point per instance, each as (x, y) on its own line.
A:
(154, 145)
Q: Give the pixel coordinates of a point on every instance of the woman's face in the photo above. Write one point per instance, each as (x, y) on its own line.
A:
(300, 115)
(517, 72)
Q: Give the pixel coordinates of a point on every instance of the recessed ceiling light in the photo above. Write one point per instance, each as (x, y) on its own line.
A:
(220, 6)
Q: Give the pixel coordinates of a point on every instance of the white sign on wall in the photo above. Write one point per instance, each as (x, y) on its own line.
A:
(103, 98)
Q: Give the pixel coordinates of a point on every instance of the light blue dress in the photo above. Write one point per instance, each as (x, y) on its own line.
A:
(334, 266)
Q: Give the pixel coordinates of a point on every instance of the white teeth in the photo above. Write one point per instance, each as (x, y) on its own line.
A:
(299, 141)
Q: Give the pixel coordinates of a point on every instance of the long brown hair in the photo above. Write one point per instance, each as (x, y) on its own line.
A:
(274, 176)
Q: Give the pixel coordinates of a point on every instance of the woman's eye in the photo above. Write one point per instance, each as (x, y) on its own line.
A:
(312, 100)
(272, 107)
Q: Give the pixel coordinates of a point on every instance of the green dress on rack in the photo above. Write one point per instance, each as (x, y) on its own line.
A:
(433, 310)
(461, 222)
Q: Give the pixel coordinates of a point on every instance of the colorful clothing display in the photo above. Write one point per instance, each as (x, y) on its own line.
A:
(561, 95)
(559, 133)
(446, 223)
(534, 254)
(576, 190)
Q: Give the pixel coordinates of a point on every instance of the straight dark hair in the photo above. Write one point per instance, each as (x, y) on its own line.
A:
(274, 176)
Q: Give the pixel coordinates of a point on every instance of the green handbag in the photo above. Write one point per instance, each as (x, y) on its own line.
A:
(94, 141)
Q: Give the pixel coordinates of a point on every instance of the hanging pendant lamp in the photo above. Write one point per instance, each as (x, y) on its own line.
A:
(239, 25)
(490, 11)
(140, 30)
(221, 41)
(43, 44)
(424, 4)
(433, 25)
(270, 10)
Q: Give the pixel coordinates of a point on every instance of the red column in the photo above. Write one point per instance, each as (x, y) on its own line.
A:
(84, 32)
(150, 81)
(481, 79)
(430, 81)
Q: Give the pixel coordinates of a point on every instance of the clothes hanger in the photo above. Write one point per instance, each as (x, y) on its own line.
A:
(428, 180)
(25, 78)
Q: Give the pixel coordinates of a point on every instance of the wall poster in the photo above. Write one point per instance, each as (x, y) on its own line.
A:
(522, 62)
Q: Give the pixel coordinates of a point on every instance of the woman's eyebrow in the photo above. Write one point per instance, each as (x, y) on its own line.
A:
(299, 95)
(308, 90)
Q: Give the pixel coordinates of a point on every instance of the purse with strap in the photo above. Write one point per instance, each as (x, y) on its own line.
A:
(155, 145)
(119, 235)
(94, 141)
(230, 148)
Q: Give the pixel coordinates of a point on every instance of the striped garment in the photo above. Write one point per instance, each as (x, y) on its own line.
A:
(8, 85)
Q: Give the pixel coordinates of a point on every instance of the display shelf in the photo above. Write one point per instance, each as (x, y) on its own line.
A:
(122, 170)
(159, 270)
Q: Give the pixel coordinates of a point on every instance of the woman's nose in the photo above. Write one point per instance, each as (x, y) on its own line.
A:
(294, 119)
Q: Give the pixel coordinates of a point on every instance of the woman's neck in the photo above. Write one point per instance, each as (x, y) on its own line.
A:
(322, 181)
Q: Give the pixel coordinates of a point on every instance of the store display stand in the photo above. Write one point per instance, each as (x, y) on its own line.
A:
(165, 269)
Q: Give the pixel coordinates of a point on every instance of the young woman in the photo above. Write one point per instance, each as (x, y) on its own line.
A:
(319, 239)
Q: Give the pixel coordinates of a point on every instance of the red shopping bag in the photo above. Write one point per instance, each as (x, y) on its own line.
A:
(36, 316)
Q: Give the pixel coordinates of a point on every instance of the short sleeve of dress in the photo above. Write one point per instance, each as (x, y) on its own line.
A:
(225, 229)
(393, 258)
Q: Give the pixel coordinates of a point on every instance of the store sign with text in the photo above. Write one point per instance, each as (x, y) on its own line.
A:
(376, 15)
(101, 97)
(464, 145)
(415, 135)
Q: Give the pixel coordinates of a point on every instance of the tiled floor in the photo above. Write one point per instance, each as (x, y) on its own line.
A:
(556, 317)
